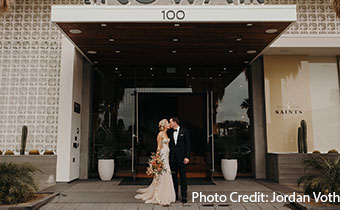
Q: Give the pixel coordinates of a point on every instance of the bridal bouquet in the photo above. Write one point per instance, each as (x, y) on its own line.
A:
(156, 165)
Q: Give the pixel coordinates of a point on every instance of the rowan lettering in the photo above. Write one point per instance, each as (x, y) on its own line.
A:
(123, 2)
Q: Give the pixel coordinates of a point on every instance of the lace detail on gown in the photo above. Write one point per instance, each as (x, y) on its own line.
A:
(161, 190)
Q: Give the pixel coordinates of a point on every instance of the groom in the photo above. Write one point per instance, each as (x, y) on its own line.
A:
(179, 155)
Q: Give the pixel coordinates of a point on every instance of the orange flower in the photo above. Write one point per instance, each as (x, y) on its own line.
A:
(156, 165)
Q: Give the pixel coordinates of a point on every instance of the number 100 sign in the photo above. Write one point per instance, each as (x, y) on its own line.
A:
(173, 14)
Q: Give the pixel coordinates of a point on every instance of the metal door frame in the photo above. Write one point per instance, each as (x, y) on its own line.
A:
(134, 137)
(210, 131)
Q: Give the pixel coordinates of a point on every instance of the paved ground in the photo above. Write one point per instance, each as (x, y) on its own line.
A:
(97, 195)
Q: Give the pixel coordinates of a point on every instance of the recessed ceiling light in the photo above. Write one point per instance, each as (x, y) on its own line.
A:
(271, 31)
(103, 24)
(251, 51)
(238, 39)
(246, 62)
(193, 78)
(117, 51)
(176, 24)
(230, 51)
(92, 52)
(175, 40)
(152, 75)
(210, 77)
(95, 62)
(151, 69)
(225, 69)
(116, 68)
(188, 75)
(174, 51)
(111, 40)
(120, 75)
(75, 31)
(219, 75)
(249, 24)
(189, 68)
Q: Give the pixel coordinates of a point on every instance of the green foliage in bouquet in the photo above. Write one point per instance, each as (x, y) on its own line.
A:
(326, 178)
(16, 182)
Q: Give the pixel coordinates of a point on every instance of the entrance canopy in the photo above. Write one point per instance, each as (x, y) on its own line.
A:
(203, 35)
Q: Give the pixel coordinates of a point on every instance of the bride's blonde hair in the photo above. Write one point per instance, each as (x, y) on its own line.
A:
(162, 124)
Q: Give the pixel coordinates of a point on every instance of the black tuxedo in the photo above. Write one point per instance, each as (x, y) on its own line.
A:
(177, 154)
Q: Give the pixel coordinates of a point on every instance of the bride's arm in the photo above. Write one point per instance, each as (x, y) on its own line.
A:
(159, 142)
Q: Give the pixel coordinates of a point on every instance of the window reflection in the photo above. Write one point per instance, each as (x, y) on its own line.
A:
(231, 125)
(112, 124)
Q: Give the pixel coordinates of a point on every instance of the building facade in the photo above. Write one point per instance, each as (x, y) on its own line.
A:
(56, 82)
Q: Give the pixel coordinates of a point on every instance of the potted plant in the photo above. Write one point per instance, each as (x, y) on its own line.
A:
(106, 158)
(322, 178)
(227, 142)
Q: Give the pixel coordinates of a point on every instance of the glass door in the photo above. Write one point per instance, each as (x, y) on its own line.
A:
(112, 123)
(229, 124)
(154, 106)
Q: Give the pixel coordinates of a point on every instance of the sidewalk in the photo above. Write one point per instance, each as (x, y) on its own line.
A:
(94, 194)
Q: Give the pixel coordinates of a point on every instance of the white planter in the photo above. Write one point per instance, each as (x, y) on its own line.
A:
(106, 168)
(229, 168)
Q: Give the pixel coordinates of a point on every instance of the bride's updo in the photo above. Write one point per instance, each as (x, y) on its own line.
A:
(162, 124)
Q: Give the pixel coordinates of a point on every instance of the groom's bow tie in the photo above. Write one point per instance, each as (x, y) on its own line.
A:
(175, 130)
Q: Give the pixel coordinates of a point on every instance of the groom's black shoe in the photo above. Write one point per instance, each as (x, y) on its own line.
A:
(184, 200)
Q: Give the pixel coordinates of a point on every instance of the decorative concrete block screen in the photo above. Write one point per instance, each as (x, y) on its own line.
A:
(30, 48)
(315, 17)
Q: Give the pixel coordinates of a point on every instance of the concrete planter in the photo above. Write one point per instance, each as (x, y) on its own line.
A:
(287, 168)
(46, 163)
(32, 206)
(106, 169)
(229, 168)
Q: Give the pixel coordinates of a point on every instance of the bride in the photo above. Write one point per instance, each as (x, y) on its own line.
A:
(161, 190)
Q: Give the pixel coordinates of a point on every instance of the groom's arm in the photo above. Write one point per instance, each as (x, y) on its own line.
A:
(187, 144)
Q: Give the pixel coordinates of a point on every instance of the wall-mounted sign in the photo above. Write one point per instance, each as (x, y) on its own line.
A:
(76, 107)
(288, 110)
(124, 2)
(168, 11)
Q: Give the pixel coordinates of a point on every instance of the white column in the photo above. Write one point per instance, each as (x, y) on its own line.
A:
(68, 120)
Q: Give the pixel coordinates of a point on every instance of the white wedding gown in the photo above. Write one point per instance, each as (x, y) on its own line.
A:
(161, 190)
